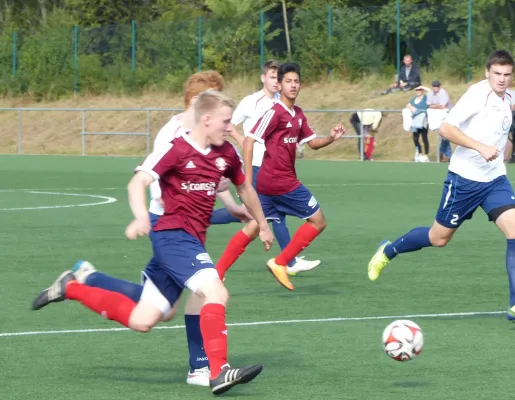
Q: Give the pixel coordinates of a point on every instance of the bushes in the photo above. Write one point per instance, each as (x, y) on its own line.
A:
(350, 52)
(167, 49)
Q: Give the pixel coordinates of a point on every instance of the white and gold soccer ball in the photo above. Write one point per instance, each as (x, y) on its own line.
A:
(403, 340)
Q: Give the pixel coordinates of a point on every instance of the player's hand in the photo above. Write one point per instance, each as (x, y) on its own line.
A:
(138, 227)
(161, 202)
(337, 132)
(240, 212)
(223, 185)
(489, 153)
(266, 236)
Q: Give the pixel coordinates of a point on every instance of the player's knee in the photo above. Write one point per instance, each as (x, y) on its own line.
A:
(140, 327)
(251, 230)
(319, 223)
(215, 292)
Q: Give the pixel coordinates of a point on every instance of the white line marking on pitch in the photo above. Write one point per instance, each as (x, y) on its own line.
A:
(105, 200)
(26, 190)
(291, 321)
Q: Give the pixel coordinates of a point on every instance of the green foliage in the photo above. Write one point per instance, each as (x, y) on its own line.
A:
(231, 38)
(351, 51)
(362, 41)
(46, 59)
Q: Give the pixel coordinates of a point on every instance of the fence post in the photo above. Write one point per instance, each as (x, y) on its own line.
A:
(361, 137)
(398, 38)
(469, 44)
(262, 38)
(75, 58)
(148, 132)
(133, 45)
(329, 28)
(83, 132)
(199, 43)
(20, 137)
(14, 54)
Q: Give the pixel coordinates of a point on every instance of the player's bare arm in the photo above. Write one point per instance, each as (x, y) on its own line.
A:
(250, 198)
(248, 150)
(456, 136)
(236, 136)
(336, 133)
(236, 210)
(137, 190)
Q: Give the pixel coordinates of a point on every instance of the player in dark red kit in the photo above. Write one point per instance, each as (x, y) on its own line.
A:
(189, 170)
(281, 193)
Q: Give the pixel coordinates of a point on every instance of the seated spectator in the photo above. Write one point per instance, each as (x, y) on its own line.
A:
(439, 105)
(408, 79)
(370, 120)
(415, 121)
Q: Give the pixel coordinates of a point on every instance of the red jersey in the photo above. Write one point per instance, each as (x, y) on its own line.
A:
(189, 177)
(280, 129)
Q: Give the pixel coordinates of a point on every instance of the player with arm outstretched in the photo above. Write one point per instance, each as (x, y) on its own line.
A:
(281, 193)
(479, 126)
(178, 238)
(248, 112)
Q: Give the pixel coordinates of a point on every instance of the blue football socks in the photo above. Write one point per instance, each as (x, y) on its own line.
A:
(198, 357)
(103, 281)
(222, 216)
(414, 240)
(510, 268)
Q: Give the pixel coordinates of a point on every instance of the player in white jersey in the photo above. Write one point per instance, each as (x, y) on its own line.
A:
(248, 112)
(479, 126)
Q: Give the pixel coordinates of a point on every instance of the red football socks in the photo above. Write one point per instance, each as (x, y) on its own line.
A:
(214, 335)
(111, 305)
(234, 249)
(302, 238)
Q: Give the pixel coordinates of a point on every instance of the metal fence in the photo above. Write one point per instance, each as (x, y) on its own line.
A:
(87, 114)
(451, 37)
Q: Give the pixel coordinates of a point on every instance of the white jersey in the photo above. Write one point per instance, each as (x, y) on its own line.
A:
(485, 117)
(249, 111)
(169, 132)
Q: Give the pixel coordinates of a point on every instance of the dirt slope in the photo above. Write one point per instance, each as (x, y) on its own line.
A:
(58, 132)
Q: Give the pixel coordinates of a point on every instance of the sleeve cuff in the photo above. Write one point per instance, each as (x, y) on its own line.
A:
(239, 179)
(257, 139)
(308, 139)
(152, 173)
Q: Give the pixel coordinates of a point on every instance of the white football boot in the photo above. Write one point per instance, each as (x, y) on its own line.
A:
(199, 377)
(302, 265)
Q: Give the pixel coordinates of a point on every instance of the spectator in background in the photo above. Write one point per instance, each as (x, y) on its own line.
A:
(415, 121)
(438, 99)
(409, 77)
(370, 120)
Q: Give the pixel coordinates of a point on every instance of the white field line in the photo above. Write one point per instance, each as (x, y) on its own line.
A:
(105, 200)
(291, 321)
(307, 184)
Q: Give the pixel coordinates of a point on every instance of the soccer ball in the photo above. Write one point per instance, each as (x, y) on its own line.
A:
(403, 340)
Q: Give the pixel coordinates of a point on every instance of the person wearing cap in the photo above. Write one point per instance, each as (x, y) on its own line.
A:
(370, 120)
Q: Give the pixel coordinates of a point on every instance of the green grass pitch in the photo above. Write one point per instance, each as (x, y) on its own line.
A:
(465, 357)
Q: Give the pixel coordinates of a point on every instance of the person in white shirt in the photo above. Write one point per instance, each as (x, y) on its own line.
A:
(248, 112)
(479, 125)
(439, 104)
